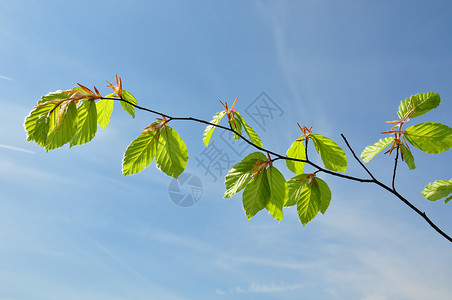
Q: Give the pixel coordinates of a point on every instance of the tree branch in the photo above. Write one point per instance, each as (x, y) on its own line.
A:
(319, 169)
(395, 168)
(356, 157)
(395, 193)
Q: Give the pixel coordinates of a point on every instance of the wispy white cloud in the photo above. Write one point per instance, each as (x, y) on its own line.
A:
(15, 169)
(381, 258)
(220, 292)
(6, 78)
(288, 264)
(256, 288)
(273, 287)
(221, 258)
(169, 238)
(16, 149)
(379, 275)
(368, 262)
(394, 276)
(276, 13)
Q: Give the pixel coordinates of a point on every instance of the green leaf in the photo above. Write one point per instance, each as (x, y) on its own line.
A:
(63, 126)
(370, 151)
(241, 173)
(332, 155)
(256, 194)
(249, 131)
(310, 197)
(279, 193)
(298, 151)
(54, 96)
(172, 154)
(325, 194)
(140, 153)
(448, 199)
(130, 109)
(53, 118)
(41, 130)
(87, 123)
(296, 185)
(104, 108)
(210, 128)
(77, 88)
(419, 104)
(45, 105)
(407, 156)
(438, 190)
(430, 137)
(236, 125)
(35, 132)
(309, 203)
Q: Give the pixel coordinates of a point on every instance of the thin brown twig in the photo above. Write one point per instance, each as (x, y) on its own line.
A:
(395, 193)
(395, 168)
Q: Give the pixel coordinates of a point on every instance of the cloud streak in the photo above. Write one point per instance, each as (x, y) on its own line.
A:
(6, 78)
(16, 149)
(273, 287)
(256, 288)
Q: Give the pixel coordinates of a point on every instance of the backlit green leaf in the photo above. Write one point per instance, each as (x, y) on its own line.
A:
(437, 190)
(430, 137)
(249, 131)
(279, 193)
(172, 154)
(418, 105)
(241, 173)
(129, 108)
(35, 133)
(309, 203)
(370, 151)
(210, 128)
(140, 153)
(256, 194)
(104, 108)
(41, 130)
(87, 123)
(325, 194)
(407, 157)
(296, 185)
(53, 118)
(77, 88)
(332, 155)
(298, 151)
(63, 127)
(45, 105)
(236, 125)
(54, 96)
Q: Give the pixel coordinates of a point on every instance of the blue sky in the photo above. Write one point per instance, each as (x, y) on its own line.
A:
(72, 227)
